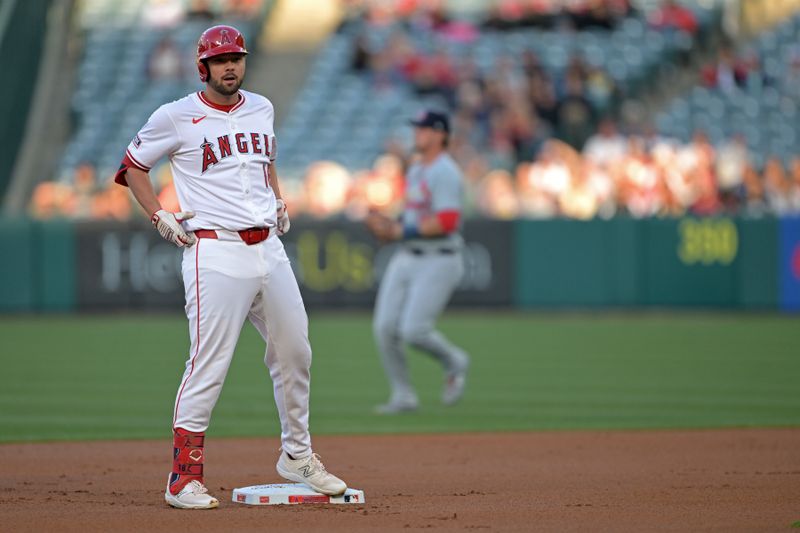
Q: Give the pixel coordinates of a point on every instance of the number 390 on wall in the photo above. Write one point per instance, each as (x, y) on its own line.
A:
(707, 241)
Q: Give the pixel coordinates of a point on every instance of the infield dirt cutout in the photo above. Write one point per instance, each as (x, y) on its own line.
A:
(724, 480)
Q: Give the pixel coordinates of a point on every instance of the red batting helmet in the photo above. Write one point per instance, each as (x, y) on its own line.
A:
(216, 41)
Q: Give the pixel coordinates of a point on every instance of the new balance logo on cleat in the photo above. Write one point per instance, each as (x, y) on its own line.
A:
(311, 472)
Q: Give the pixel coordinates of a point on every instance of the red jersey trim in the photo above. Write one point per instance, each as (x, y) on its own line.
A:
(449, 220)
(127, 162)
(136, 163)
(219, 107)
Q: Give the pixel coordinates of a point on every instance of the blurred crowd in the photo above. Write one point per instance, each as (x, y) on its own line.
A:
(533, 143)
(513, 107)
(501, 14)
(172, 13)
(743, 70)
(171, 62)
(640, 176)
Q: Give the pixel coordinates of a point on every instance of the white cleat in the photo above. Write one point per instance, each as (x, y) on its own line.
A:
(310, 471)
(193, 496)
(455, 383)
(396, 408)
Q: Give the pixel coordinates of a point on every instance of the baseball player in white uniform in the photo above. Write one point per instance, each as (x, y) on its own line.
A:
(425, 269)
(221, 147)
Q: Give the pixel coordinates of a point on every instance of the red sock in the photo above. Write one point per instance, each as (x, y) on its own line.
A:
(187, 459)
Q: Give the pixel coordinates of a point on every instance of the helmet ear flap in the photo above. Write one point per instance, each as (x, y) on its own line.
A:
(202, 69)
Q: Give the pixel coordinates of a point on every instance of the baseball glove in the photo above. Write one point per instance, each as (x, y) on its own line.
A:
(381, 226)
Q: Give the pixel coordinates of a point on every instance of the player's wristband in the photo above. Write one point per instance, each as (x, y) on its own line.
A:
(411, 232)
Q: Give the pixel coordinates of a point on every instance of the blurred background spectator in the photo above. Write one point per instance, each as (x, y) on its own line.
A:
(578, 109)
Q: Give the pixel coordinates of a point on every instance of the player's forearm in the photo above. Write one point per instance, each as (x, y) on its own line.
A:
(430, 227)
(273, 180)
(142, 189)
(439, 225)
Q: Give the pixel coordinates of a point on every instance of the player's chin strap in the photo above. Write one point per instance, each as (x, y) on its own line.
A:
(187, 460)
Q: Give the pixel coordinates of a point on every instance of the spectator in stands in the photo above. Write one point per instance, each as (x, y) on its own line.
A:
(640, 191)
(378, 188)
(362, 56)
(728, 74)
(672, 16)
(532, 65)
(242, 9)
(708, 200)
(697, 159)
(327, 186)
(794, 187)
(200, 11)
(112, 203)
(607, 145)
(600, 88)
(85, 182)
(755, 77)
(534, 202)
(755, 202)
(526, 132)
(167, 195)
(542, 94)
(580, 199)
(503, 15)
(550, 175)
(163, 13)
(166, 62)
(398, 62)
(574, 114)
(436, 75)
(790, 84)
(731, 160)
(425, 16)
(777, 188)
(682, 191)
(50, 200)
(496, 196)
(591, 14)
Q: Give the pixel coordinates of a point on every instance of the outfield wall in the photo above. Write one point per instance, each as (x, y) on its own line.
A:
(620, 263)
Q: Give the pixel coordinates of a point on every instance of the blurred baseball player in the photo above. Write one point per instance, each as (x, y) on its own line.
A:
(425, 269)
(221, 147)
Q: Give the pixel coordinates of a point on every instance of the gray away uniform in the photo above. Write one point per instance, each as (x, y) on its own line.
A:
(419, 280)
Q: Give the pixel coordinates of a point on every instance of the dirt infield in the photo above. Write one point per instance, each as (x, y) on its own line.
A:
(731, 480)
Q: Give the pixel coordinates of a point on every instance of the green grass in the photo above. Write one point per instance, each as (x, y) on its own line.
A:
(83, 377)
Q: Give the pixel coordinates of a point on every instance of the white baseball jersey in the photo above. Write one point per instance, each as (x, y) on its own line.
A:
(219, 158)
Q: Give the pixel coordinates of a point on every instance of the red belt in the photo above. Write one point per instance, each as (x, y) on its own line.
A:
(249, 235)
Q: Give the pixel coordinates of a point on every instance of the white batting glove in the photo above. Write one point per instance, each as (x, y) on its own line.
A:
(169, 226)
(283, 218)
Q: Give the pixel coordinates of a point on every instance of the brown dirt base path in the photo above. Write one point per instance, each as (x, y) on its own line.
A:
(726, 480)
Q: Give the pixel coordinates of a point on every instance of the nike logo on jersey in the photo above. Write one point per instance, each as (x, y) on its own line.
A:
(196, 120)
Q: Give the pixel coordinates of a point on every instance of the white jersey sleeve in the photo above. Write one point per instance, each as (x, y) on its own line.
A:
(273, 151)
(157, 138)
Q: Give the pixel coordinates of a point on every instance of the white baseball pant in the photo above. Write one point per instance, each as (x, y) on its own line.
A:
(226, 282)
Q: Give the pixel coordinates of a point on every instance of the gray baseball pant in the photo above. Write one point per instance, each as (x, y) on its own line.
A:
(413, 293)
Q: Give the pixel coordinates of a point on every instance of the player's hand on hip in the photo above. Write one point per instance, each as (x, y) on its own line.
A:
(169, 226)
(283, 218)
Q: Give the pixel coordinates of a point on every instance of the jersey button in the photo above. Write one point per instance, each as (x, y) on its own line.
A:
(243, 165)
